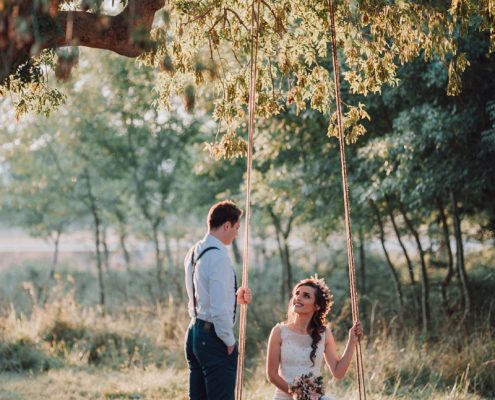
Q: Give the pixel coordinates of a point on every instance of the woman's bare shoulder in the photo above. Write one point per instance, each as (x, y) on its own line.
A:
(277, 331)
(328, 333)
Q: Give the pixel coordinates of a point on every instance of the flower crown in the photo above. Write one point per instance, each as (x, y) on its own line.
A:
(325, 291)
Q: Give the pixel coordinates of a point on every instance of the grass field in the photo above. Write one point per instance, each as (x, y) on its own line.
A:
(154, 384)
(66, 350)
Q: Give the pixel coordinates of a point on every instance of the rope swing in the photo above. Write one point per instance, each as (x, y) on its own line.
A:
(345, 189)
(255, 9)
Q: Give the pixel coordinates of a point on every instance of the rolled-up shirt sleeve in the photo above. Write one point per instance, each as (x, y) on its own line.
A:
(222, 297)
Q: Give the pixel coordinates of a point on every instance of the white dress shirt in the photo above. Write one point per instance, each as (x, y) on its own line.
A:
(214, 283)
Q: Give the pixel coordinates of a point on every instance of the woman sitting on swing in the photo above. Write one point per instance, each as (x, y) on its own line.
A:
(296, 347)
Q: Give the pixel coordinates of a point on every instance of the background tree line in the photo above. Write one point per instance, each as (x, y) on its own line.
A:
(420, 178)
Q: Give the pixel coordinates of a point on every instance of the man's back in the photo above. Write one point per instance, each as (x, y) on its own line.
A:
(214, 286)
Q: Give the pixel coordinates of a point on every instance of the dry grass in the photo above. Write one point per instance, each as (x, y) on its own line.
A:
(65, 351)
(169, 383)
(65, 384)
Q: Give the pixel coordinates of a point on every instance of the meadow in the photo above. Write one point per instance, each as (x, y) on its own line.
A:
(68, 348)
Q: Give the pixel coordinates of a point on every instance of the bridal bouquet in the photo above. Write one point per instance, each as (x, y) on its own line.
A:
(307, 387)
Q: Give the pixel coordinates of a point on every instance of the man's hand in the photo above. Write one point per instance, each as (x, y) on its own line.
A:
(244, 295)
(230, 349)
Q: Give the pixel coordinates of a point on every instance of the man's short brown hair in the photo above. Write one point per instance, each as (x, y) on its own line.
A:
(222, 212)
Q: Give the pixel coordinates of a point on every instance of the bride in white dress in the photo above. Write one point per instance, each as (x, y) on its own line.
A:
(299, 345)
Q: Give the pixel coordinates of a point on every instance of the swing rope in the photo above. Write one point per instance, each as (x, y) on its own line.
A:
(350, 253)
(255, 9)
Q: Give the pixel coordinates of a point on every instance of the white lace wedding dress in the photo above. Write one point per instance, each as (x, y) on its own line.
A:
(294, 358)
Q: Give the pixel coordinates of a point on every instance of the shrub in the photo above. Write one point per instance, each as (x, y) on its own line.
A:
(23, 355)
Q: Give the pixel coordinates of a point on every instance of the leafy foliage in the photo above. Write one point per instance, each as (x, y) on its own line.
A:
(29, 87)
(210, 40)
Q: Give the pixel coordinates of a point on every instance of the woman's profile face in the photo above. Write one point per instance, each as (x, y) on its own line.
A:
(304, 300)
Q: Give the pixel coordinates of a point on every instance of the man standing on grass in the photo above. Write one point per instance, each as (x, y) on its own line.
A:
(211, 285)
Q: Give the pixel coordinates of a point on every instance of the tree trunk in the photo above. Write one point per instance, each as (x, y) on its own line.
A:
(263, 253)
(288, 265)
(416, 295)
(466, 296)
(237, 253)
(172, 271)
(158, 259)
(362, 270)
(168, 252)
(391, 267)
(425, 291)
(125, 251)
(283, 248)
(450, 265)
(97, 223)
(123, 238)
(96, 220)
(106, 253)
(362, 260)
(127, 257)
(43, 296)
(54, 263)
(283, 287)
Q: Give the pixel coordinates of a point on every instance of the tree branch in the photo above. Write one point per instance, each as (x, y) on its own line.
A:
(126, 34)
(237, 17)
(122, 33)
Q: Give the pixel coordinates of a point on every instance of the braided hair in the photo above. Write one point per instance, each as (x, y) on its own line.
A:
(324, 301)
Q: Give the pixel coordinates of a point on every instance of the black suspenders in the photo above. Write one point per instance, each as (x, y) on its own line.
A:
(193, 264)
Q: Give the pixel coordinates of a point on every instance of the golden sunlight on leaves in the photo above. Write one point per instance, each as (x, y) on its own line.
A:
(230, 146)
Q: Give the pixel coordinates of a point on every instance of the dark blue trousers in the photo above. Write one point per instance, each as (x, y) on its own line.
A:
(212, 371)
